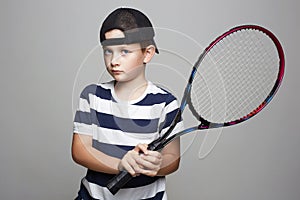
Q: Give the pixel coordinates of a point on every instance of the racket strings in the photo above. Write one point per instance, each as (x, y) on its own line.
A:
(235, 76)
(257, 60)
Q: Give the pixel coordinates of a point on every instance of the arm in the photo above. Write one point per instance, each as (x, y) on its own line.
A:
(171, 158)
(84, 154)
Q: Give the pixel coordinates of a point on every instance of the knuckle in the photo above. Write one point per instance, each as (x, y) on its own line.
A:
(153, 173)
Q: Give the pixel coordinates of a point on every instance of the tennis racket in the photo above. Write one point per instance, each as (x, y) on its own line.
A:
(234, 78)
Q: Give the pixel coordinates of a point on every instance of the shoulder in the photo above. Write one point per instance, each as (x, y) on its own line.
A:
(102, 90)
(160, 93)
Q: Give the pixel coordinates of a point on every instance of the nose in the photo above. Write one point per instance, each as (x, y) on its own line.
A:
(115, 61)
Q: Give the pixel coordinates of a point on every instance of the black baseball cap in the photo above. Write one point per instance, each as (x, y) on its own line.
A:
(135, 25)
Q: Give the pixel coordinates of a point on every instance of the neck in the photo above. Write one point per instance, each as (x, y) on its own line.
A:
(131, 90)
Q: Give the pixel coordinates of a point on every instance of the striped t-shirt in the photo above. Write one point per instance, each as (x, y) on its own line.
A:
(117, 127)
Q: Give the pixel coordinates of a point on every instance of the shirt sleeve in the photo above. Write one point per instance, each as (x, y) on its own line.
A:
(170, 110)
(83, 120)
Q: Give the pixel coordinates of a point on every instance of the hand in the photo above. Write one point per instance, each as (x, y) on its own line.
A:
(141, 161)
(151, 163)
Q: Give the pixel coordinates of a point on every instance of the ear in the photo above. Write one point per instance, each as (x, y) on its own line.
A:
(149, 53)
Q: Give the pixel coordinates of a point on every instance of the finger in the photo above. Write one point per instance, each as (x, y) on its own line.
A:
(129, 163)
(147, 165)
(149, 172)
(152, 157)
(154, 154)
(141, 148)
(125, 166)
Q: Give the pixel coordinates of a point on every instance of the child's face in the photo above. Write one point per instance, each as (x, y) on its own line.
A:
(123, 62)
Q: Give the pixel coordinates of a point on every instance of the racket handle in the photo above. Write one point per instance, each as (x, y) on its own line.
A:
(118, 181)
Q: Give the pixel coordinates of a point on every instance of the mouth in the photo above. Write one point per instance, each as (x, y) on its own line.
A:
(116, 71)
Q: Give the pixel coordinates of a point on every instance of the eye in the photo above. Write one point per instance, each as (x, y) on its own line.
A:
(125, 52)
(107, 51)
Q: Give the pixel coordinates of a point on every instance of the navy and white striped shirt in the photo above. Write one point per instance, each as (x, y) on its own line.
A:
(117, 127)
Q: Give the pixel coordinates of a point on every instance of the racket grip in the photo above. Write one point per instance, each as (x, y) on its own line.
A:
(118, 181)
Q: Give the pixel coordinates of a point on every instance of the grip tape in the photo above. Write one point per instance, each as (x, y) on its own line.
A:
(118, 181)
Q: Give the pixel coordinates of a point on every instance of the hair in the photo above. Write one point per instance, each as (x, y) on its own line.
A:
(145, 44)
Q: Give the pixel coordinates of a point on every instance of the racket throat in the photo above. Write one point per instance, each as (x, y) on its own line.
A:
(156, 144)
(208, 125)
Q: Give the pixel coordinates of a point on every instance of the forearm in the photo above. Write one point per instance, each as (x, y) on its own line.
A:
(169, 165)
(171, 158)
(84, 154)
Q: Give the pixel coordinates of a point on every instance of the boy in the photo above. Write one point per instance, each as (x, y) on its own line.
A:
(116, 120)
